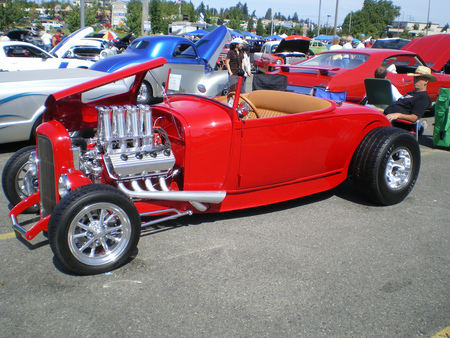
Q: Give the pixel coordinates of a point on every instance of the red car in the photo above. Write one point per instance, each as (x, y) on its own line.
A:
(284, 52)
(434, 50)
(345, 70)
(193, 154)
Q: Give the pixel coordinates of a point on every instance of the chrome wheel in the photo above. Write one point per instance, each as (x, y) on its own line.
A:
(399, 168)
(99, 234)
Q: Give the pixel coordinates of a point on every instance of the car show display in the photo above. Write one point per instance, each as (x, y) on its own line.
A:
(18, 55)
(284, 52)
(345, 70)
(190, 63)
(141, 165)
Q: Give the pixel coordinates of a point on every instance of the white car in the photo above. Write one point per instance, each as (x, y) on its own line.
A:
(78, 46)
(23, 94)
(18, 55)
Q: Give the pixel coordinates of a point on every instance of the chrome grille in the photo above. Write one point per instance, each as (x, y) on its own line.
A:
(46, 169)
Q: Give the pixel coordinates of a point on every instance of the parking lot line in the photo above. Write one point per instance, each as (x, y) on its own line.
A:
(8, 236)
(445, 333)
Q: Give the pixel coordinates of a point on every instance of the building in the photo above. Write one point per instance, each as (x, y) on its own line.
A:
(415, 28)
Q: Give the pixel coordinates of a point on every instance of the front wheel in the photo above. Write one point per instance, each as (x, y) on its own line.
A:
(386, 165)
(94, 229)
(19, 177)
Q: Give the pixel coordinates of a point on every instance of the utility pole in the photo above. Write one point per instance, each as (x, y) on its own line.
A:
(318, 21)
(82, 13)
(335, 18)
(144, 17)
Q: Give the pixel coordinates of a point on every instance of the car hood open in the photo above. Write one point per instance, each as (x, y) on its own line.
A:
(292, 45)
(210, 46)
(70, 41)
(433, 49)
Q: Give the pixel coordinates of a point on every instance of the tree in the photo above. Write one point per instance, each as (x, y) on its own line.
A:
(268, 14)
(250, 24)
(134, 16)
(154, 12)
(405, 34)
(373, 18)
(445, 28)
(74, 17)
(10, 13)
(259, 27)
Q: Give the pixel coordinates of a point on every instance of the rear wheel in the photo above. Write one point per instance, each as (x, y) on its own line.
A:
(19, 177)
(145, 95)
(94, 229)
(386, 165)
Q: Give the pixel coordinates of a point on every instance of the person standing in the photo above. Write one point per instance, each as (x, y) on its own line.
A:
(57, 37)
(46, 39)
(246, 65)
(235, 62)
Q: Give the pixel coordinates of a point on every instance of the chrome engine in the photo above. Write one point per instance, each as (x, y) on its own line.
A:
(127, 145)
(137, 155)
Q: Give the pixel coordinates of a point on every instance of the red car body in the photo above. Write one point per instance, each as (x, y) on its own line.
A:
(434, 50)
(327, 70)
(202, 155)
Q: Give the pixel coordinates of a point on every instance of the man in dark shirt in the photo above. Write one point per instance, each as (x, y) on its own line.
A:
(412, 105)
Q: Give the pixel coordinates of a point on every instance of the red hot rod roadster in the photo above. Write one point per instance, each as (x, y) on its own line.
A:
(193, 154)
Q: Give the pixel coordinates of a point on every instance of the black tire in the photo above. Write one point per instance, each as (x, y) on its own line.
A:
(145, 95)
(16, 172)
(386, 165)
(84, 246)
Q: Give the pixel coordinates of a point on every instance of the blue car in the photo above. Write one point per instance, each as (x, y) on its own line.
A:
(191, 64)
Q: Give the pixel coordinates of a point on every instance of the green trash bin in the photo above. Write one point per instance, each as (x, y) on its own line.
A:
(441, 132)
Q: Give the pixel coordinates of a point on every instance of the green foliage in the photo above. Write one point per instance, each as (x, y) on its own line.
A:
(10, 14)
(134, 16)
(268, 14)
(405, 34)
(259, 28)
(445, 28)
(155, 14)
(74, 18)
(373, 18)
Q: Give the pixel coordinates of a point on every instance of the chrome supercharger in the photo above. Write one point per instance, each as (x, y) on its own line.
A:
(126, 140)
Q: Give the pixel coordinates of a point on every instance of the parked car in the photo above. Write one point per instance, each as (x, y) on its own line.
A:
(254, 46)
(434, 50)
(17, 55)
(23, 94)
(78, 46)
(282, 52)
(390, 43)
(191, 64)
(317, 47)
(194, 154)
(345, 70)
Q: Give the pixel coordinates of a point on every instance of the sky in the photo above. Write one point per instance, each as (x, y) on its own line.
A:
(411, 10)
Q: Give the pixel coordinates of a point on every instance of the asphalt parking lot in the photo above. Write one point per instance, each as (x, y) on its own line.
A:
(325, 265)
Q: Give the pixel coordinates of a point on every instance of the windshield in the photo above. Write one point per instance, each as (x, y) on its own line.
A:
(338, 59)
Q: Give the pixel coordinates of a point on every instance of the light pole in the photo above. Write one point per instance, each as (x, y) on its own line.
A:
(428, 16)
(318, 21)
(335, 18)
(350, 23)
(326, 30)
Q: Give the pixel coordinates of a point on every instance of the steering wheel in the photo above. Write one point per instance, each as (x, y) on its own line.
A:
(252, 107)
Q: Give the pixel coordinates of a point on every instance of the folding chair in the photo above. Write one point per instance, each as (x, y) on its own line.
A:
(326, 94)
(379, 93)
(269, 82)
